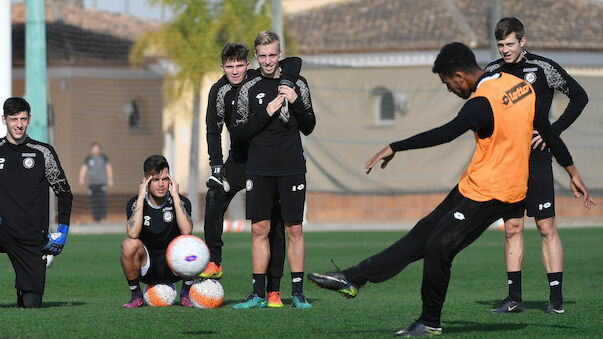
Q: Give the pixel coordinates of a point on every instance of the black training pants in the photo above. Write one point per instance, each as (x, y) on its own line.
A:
(216, 203)
(98, 201)
(437, 238)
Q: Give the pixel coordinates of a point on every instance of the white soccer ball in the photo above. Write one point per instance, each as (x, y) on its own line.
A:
(160, 294)
(187, 256)
(206, 294)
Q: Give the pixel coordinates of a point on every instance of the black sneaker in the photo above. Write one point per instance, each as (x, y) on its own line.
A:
(418, 329)
(555, 307)
(335, 281)
(509, 306)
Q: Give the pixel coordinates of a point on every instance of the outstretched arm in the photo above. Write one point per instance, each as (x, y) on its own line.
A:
(476, 115)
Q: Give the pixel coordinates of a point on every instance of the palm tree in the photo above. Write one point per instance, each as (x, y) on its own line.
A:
(192, 41)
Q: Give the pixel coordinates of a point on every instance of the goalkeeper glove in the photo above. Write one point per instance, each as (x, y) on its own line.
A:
(56, 240)
(217, 179)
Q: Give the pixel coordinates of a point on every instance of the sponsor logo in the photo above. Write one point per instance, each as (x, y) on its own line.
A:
(259, 97)
(296, 280)
(530, 69)
(28, 155)
(28, 163)
(511, 308)
(299, 187)
(544, 206)
(530, 77)
(168, 216)
(191, 257)
(249, 185)
(554, 283)
(509, 282)
(516, 93)
(459, 216)
(2, 161)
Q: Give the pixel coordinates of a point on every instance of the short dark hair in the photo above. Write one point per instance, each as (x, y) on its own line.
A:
(234, 52)
(454, 57)
(506, 26)
(16, 105)
(155, 164)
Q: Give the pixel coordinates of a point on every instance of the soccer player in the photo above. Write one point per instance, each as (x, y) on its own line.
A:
(502, 115)
(156, 216)
(27, 168)
(100, 174)
(270, 112)
(229, 178)
(545, 76)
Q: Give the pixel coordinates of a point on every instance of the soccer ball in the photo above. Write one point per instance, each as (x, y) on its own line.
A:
(206, 294)
(187, 256)
(160, 294)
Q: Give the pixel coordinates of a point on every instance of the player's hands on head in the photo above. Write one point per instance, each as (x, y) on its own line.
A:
(578, 188)
(173, 186)
(56, 240)
(538, 141)
(144, 187)
(275, 105)
(386, 154)
(288, 93)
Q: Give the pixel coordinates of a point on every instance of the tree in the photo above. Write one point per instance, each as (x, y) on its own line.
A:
(192, 41)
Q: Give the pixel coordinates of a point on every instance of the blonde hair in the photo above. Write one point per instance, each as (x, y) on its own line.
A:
(265, 38)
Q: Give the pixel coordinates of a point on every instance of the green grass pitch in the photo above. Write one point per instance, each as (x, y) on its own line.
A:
(85, 289)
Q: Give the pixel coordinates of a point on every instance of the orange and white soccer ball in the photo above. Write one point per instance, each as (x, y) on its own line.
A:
(160, 294)
(187, 256)
(206, 294)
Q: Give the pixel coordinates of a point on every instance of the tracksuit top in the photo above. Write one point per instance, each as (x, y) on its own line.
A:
(546, 76)
(275, 148)
(26, 172)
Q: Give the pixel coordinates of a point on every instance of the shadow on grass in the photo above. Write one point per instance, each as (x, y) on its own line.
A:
(470, 326)
(527, 304)
(48, 304)
(364, 333)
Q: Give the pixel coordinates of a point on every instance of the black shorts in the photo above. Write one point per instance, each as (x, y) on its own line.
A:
(28, 262)
(263, 192)
(159, 271)
(540, 199)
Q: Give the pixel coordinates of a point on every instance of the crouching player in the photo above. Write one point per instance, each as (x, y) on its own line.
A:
(156, 216)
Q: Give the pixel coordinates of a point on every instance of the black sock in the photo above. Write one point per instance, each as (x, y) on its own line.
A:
(259, 285)
(135, 286)
(297, 283)
(186, 284)
(514, 281)
(555, 282)
(274, 284)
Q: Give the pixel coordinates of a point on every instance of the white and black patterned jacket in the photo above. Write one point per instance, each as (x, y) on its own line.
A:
(26, 172)
(275, 149)
(546, 76)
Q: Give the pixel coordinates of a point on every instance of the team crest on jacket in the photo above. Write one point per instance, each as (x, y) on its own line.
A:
(28, 162)
(168, 216)
(530, 77)
(259, 97)
(249, 185)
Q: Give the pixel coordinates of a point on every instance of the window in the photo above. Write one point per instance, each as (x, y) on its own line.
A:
(133, 115)
(384, 107)
(386, 104)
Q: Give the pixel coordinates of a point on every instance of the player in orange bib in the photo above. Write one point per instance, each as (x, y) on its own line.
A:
(502, 115)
